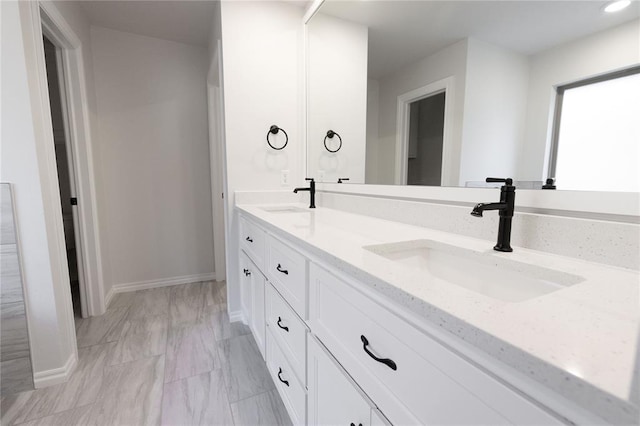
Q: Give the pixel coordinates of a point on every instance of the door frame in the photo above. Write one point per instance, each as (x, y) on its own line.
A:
(48, 21)
(218, 164)
(71, 165)
(405, 100)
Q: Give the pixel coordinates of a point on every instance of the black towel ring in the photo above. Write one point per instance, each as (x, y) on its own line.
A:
(274, 130)
(330, 135)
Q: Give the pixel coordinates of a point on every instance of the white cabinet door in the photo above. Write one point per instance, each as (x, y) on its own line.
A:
(246, 271)
(257, 323)
(333, 398)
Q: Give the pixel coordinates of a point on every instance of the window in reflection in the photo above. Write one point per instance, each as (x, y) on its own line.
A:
(598, 134)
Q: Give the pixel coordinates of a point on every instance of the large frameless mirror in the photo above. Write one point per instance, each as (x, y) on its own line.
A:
(444, 93)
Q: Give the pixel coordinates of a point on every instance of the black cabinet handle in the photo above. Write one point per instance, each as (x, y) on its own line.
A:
(353, 424)
(386, 361)
(282, 326)
(286, 382)
(249, 239)
(284, 271)
(246, 272)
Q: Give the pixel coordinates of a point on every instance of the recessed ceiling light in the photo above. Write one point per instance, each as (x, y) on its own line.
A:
(617, 6)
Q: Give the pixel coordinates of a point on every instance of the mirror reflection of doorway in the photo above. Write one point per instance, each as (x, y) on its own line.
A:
(426, 136)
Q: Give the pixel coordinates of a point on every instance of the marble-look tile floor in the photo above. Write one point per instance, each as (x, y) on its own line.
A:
(166, 356)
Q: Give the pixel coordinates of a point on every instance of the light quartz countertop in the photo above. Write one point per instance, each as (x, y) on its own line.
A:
(580, 341)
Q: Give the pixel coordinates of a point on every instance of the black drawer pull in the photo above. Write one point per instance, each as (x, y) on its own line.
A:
(353, 424)
(246, 272)
(282, 326)
(284, 271)
(386, 361)
(249, 239)
(286, 382)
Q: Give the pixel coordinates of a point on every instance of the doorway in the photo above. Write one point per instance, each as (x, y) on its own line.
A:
(426, 136)
(66, 174)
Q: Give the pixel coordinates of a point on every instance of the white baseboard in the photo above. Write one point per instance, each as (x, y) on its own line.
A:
(42, 379)
(108, 297)
(166, 282)
(236, 316)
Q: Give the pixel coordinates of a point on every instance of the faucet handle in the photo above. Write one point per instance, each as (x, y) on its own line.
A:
(506, 181)
(311, 179)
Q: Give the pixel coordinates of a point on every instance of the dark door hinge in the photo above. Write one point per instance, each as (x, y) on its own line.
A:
(74, 201)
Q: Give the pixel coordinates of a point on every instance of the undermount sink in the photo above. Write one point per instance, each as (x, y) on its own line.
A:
(484, 273)
(284, 209)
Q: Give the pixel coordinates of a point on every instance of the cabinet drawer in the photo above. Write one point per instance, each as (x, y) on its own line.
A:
(423, 381)
(333, 397)
(288, 330)
(287, 271)
(291, 390)
(252, 240)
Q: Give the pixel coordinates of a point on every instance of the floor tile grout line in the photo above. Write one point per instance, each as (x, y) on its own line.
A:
(52, 414)
(226, 393)
(135, 360)
(193, 375)
(253, 396)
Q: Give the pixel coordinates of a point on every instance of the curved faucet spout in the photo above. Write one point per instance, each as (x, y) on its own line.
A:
(477, 210)
(481, 207)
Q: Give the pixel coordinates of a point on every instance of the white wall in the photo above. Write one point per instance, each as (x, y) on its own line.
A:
(608, 50)
(262, 69)
(337, 98)
(448, 62)
(495, 105)
(153, 135)
(25, 150)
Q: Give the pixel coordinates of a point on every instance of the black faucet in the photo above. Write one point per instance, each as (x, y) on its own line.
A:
(312, 191)
(505, 209)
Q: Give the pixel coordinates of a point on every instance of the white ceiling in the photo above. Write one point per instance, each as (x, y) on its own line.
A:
(402, 32)
(182, 21)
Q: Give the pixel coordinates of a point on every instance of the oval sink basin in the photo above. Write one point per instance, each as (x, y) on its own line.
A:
(483, 273)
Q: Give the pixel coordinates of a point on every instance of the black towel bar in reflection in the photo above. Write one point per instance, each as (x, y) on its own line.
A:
(330, 135)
